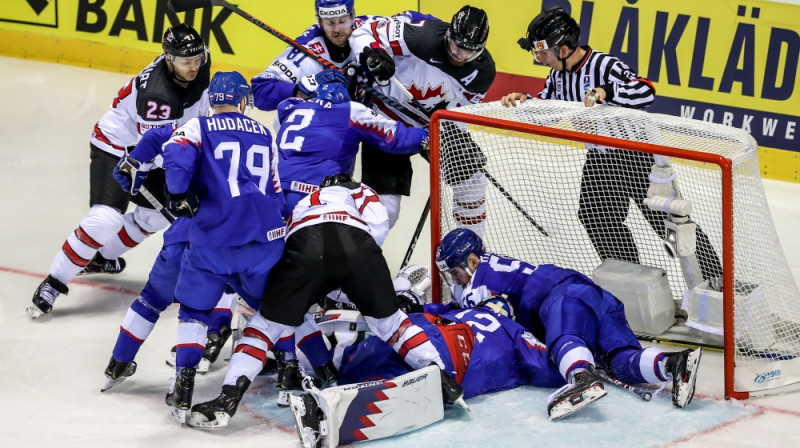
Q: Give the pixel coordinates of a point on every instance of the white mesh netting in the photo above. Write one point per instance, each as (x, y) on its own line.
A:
(533, 184)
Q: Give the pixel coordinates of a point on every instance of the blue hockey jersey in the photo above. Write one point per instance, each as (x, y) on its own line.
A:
(227, 161)
(485, 353)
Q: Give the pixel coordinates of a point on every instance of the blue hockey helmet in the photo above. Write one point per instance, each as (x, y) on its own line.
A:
(335, 92)
(455, 248)
(331, 9)
(229, 88)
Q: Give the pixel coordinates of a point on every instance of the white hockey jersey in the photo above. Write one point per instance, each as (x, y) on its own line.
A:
(421, 61)
(352, 203)
(150, 100)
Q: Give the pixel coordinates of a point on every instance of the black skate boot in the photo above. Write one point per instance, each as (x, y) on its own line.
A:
(117, 372)
(452, 392)
(683, 368)
(216, 414)
(214, 345)
(308, 420)
(45, 295)
(289, 377)
(583, 388)
(326, 374)
(179, 398)
(102, 265)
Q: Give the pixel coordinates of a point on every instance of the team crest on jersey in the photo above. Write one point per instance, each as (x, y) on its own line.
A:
(426, 92)
(317, 48)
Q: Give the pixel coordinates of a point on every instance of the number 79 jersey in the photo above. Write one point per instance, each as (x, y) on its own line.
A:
(228, 162)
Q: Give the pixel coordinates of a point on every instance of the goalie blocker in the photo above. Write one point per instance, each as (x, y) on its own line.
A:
(370, 410)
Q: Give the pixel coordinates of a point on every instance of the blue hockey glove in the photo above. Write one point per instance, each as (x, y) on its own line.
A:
(308, 84)
(131, 174)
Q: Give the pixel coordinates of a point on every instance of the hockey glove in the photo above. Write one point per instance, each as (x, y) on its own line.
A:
(379, 64)
(409, 302)
(183, 205)
(462, 157)
(131, 174)
(308, 84)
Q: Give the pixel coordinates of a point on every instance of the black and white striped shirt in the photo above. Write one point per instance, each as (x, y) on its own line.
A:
(597, 69)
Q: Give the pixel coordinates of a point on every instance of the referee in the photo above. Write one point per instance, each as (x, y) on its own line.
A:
(611, 176)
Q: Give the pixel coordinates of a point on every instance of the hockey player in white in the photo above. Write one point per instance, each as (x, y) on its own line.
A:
(168, 92)
(442, 65)
(333, 241)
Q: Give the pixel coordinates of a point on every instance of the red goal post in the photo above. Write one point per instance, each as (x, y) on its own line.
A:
(529, 192)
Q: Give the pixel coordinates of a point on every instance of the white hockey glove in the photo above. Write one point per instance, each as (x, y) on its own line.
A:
(415, 278)
(308, 84)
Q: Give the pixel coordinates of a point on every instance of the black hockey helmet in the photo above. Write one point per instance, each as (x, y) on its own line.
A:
(183, 40)
(549, 30)
(469, 29)
(336, 179)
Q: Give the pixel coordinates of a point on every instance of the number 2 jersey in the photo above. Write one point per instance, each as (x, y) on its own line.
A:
(228, 162)
(485, 353)
(150, 100)
(318, 138)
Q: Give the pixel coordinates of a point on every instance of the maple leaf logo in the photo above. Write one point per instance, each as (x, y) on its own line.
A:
(428, 92)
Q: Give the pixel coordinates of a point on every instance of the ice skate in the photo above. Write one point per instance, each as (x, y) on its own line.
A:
(179, 398)
(307, 418)
(582, 389)
(452, 392)
(171, 359)
(327, 374)
(682, 366)
(102, 265)
(45, 296)
(216, 414)
(117, 372)
(289, 377)
(214, 344)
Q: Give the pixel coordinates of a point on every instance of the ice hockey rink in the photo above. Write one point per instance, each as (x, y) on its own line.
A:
(51, 370)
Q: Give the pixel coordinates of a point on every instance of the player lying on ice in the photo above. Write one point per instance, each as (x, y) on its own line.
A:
(476, 342)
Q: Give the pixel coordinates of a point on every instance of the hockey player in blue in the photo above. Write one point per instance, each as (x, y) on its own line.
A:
(159, 292)
(320, 137)
(576, 318)
(221, 171)
(476, 343)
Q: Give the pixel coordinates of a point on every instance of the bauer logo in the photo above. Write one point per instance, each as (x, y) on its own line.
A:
(766, 377)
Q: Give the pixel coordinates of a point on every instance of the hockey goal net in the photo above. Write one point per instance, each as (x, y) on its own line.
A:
(536, 180)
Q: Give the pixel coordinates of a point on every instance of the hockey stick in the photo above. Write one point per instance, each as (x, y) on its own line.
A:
(644, 394)
(185, 5)
(156, 205)
(417, 233)
(511, 199)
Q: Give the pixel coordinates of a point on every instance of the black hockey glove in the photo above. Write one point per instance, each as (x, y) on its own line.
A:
(461, 156)
(409, 302)
(379, 64)
(183, 205)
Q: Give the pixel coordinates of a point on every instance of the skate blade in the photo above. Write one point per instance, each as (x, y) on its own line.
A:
(112, 383)
(181, 415)
(34, 312)
(308, 437)
(199, 421)
(204, 366)
(569, 407)
(283, 398)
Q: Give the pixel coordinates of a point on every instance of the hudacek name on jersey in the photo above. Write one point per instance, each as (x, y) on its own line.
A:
(214, 124)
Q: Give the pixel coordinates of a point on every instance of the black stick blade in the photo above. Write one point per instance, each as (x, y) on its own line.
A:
(186, 5)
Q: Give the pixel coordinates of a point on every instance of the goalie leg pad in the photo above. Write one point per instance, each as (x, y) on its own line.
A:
(379, 409)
